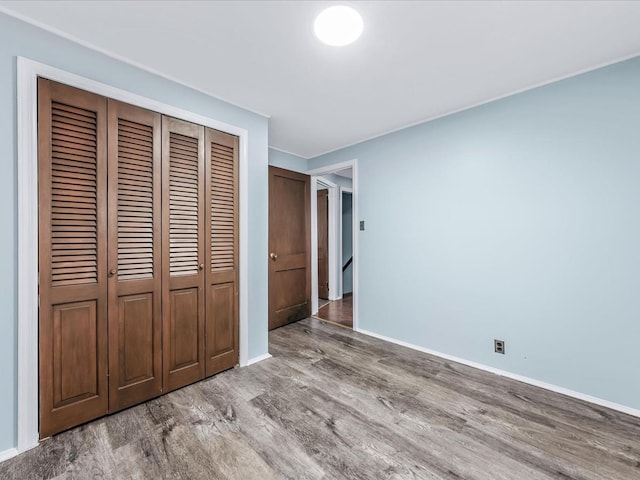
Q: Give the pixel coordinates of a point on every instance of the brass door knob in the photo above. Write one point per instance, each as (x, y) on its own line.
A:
(273, 256)
(201, 266)
(112, 272)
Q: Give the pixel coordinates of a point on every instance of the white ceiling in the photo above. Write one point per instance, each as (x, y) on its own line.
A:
(415, 60)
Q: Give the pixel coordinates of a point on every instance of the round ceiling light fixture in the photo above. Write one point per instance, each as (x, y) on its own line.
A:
(338, 26)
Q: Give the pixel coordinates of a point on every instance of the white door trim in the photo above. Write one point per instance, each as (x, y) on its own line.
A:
(353, 164)
(27, 105)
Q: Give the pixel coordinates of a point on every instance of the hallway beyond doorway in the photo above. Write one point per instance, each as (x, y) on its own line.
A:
(338, 311)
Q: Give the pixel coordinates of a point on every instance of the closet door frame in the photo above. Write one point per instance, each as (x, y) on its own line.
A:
(28, 72)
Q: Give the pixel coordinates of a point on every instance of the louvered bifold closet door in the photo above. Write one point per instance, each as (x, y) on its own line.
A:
(221, 177)
(183, 252)
(72, 206)
(135, 295)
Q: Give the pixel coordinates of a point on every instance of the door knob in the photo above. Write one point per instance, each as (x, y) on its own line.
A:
(273, 256)
(201, 266)
(112, 272)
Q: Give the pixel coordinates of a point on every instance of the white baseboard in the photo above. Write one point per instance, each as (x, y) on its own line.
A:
(258, 359)
(7, 454)
(514, 376)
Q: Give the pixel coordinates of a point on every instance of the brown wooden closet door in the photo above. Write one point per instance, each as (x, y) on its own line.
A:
(135, 321)
(289, 247)
(221, 251)
(183, 243)
(72, 152)
(323, 243)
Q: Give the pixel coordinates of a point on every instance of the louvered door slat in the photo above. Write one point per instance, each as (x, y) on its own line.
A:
(136, 139)
(68, 117)
(136, 160)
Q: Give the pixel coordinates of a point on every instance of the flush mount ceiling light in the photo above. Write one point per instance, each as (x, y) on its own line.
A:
(338, 26)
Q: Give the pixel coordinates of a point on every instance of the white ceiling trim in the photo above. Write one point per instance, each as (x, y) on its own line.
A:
(289, 153)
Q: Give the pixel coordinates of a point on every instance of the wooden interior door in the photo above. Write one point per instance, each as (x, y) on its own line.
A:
(183, 252)
(323, 243)
(72, 224)
(289, 247)
(135, 295)
(221, 251)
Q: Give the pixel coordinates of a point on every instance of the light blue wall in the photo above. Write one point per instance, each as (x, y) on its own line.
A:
(287, 161)
(517, 220)
(20, 39)
(347, 241)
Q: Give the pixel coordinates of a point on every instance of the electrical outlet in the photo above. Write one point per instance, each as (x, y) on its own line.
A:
(362, 225)
(498, 346)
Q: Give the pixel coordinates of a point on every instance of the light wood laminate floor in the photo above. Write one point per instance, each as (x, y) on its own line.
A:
(336, 404)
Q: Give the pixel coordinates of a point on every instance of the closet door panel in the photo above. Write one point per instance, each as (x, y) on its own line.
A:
(74, 334)
(72, 256)
(135, 332)
(222, 351)
(221, 177)
(135, 294)
(184, 328)
(183, 252)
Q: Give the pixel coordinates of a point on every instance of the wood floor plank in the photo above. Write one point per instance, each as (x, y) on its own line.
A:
(335, 404)
(406, 416)
(262, 434)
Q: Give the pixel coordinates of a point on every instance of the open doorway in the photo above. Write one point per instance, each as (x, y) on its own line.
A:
(322, 208)
(333, 244)
(339, 310)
